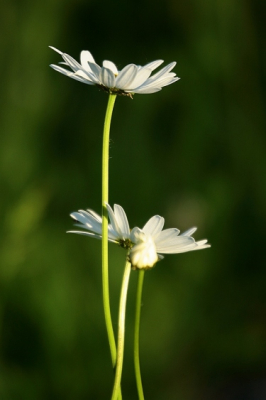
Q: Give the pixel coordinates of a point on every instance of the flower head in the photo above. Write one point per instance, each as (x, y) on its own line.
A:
(152, 238)
(131, 79)
(118, 229)
(145, 245)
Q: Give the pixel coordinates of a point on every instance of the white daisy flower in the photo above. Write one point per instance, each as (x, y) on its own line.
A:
(131, 79)
(118, 229)
(152, 241)
(147, 244)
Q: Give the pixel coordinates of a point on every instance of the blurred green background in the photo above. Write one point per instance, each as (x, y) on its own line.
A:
(194, 153)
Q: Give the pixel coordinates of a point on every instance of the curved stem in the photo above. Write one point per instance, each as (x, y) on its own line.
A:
(121, 330)
(105, 274)
(136, 335)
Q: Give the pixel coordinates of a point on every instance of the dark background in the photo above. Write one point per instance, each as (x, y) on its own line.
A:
(194, 153)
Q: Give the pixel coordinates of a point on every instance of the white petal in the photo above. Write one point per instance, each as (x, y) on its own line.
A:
(135, 234)
(175, 245)
(122, 220)
(165, 235)
(87, 220)
(112, 240)
(110, 65)
(86, 234)
(85, 75)
(107, 78)
(81, 79)
(85, 57)
(154, 64)
(58, 51)
(94, 214)
(126, 76)
(202, 242)
(71, 62)
(141, 77)
(147, 90)
(154, 225)
(113, 221)
(206, 246)
(164, 71)
(92, 77)
(164, 81)
(189, 232)
(61, 70)
(96, 70)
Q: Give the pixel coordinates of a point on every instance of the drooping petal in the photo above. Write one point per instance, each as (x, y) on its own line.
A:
(154, 225)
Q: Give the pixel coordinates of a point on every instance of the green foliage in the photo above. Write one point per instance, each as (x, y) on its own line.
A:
(194, 153)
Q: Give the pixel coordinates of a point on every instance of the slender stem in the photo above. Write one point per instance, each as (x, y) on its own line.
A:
(105, 180)
(121, 330)
(136, 335)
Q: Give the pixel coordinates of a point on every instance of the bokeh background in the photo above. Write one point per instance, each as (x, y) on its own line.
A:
(194, 153)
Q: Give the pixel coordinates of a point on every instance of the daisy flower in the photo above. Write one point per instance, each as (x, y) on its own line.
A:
(146, 245)
(152, 241)
(118, 229)
(131, 79)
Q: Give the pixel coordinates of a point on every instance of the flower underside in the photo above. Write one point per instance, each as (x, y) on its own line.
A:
(115, 91)
(145, 245)
(126, 243)
(130, 80)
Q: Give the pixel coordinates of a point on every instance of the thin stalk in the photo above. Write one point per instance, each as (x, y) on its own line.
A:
(105, 187)
(121, 330)
(136, 335)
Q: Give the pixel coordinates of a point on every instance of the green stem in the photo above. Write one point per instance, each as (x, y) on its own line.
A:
(136, 335)
(105, 275)
(121, 331)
